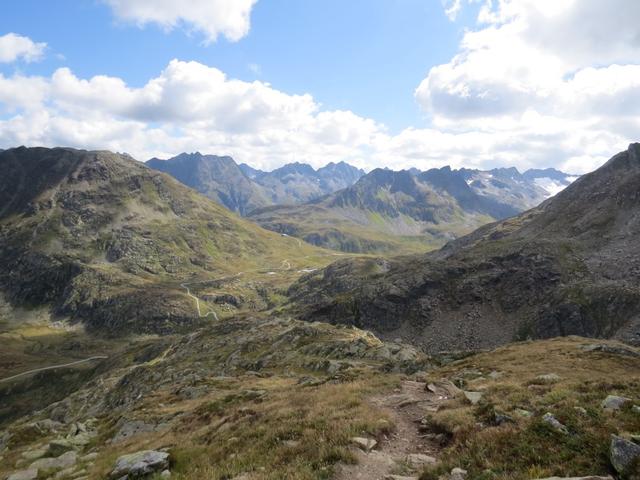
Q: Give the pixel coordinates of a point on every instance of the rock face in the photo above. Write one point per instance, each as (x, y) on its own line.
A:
(139, 464)
(625, 456)
(243, 189)
(569, 266)
(219, 178)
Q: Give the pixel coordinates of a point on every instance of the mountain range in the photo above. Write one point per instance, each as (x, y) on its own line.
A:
(387, 211)
(567, 267)
(242, 188)
(340, 207)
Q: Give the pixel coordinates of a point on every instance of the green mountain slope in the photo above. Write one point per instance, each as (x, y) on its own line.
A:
(105, 240)
(388, 212)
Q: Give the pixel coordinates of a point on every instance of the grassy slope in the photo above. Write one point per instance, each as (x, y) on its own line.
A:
(527, 447)
(133, 234)
(272, 426)
(365, 231)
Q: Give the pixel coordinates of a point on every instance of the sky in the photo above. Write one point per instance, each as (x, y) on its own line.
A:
(376, 83)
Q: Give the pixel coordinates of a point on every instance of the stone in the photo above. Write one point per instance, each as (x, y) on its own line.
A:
(523, 413)
(399, 477)
(65, 460)
(635, 409)
(418, 460)
(501, 419)
(580, 410)
(140, 463)
(30, 474)
(31, 455)
(614, 402)
(624, 455)
(548, 378)
(458, 474)
(473, 397)
(554, 422)
(495, 374)
(59, 446)
(165, 474)
(89, 457)
(365, 444)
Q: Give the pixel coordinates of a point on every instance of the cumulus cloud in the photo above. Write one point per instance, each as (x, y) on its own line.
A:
(14, 47)
(211, 18)
(188, 106)
(514, 94)
(540, 71)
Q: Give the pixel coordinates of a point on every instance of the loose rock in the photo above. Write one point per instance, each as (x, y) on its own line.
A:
(624, 454)
(140, 463)
(554, 422)
(614, 402)
(365, 444)
(473, 397)
(458, 474)
(418, 460)
(548, 378)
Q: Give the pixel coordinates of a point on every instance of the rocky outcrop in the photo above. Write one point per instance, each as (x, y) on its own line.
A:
(567, 267)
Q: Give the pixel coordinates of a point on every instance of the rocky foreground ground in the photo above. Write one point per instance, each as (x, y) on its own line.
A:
(288, 399)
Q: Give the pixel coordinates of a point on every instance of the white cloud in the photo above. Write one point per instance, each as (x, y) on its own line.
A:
(549, 81)
(188, 106)
(452, 8)
(508, 97)
(14, 47)
(212, 18)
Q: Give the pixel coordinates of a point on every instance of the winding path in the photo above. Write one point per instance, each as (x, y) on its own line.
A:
(197, 300)
(53, 367)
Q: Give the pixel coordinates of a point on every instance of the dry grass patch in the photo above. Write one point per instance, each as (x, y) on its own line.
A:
(523, 447)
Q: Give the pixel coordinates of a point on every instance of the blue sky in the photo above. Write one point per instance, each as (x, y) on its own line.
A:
(362, 55)
(397, 83)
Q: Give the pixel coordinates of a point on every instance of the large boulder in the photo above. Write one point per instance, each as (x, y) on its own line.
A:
(139, 464)
(58, 463)
(625, 455)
